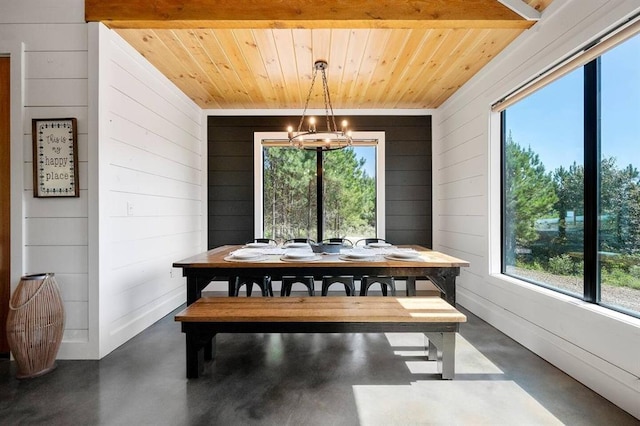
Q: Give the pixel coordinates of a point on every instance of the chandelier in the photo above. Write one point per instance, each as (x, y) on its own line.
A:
(312, 137)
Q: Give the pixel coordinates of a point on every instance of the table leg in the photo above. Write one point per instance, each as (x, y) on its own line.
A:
(193, 293)
(411, 286)
(195, 284)
(445, 280)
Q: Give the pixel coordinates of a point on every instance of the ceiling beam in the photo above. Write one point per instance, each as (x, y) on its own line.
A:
(303, 14)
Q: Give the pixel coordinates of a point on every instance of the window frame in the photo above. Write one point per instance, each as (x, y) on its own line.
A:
(592, 282)
(258, 176)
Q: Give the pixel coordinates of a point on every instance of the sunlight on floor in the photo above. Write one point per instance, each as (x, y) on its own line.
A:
(468, 359)
(428, 401)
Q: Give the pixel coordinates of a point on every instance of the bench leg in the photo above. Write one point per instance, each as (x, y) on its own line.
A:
(432, 354)
(199, 348)
(446, 366)
(443, 347)
(210, 349)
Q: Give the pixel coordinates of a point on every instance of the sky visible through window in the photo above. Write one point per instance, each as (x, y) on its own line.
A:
(620, 113)
(370, 157)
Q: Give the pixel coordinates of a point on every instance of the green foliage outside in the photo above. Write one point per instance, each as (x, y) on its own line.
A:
(545, 212)
(529, 195)
(349, 194)
(290, 194)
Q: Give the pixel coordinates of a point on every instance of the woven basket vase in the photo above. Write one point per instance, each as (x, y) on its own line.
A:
(35, 324)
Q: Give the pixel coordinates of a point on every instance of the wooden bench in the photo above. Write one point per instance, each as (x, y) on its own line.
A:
(206, 317)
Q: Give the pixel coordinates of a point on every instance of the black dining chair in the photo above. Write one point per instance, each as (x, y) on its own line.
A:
(366, 241)
(300, 240)
(263, 282)
(387, 284)
(289, 280)
(344, 241)
(346, 280)
(264, 240)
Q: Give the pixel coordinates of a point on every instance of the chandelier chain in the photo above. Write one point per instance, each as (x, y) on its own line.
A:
(326, 140)
(327, 103)
(306, 104)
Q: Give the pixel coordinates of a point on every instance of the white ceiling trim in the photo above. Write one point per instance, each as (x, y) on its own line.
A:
(298, 111)
(522, 9)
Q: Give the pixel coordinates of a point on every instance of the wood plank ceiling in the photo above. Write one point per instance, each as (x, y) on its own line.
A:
(259, 54)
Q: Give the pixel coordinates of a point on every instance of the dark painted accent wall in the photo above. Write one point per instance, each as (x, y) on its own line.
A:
(407, 167)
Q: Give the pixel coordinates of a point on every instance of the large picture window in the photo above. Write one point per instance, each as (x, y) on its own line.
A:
(350, 182)
(571, 186)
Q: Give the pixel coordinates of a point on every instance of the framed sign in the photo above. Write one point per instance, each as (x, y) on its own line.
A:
(55, 158)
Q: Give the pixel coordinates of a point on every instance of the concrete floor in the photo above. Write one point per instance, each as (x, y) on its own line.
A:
(312, 379)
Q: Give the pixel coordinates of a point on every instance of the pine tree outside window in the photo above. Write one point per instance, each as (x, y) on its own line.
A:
(287, 183)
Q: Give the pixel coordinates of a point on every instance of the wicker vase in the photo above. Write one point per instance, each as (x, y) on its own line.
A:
(35, 324)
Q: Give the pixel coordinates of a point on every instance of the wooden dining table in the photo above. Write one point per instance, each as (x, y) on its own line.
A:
(219, 264)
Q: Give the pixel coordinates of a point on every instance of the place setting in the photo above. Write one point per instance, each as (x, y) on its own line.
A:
(258, 245)
(408, 255)
(297, 245)
(300, 255)
(359, 256)
(245, 255)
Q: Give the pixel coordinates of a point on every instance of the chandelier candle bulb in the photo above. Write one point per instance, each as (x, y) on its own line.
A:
(312, 124)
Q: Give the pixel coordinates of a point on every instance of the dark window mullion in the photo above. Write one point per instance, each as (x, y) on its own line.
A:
(503, 177)
(591, 180)
(320, 194)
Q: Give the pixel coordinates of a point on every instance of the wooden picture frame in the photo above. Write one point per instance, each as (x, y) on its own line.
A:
(55, 157)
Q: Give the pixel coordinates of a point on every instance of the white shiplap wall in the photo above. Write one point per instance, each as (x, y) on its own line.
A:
(53, 40)
(598, 347)
(151, 177)
(141, 175)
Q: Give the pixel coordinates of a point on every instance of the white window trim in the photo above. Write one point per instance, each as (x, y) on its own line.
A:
(258, 137)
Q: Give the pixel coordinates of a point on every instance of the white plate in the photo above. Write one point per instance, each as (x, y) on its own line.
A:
(357, 259)
(257, 245)
(301, 259)
(404, 259)
(401, 254)
(246, 254)
(297, 245)
(251, 259)
(357, 255)
(379, 245)
(299, 254)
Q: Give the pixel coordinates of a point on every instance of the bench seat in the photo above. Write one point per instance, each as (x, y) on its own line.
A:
(206, 317)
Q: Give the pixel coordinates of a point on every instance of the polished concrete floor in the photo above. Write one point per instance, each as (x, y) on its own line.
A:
(313, 379)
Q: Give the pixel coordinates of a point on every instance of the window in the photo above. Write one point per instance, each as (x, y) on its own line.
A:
(571, 186)
(619, 195)
(351, 200)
